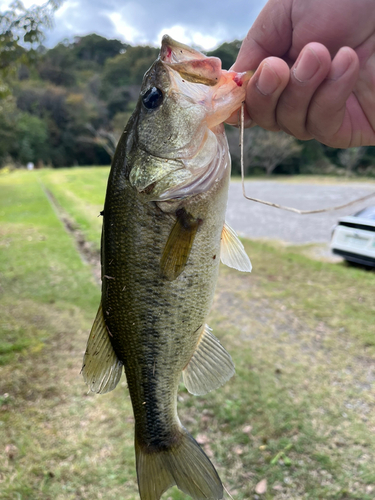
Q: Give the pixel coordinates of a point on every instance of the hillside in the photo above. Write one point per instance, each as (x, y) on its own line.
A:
(68, 105)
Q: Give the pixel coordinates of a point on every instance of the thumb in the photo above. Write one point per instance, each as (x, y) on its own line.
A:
(270, 35)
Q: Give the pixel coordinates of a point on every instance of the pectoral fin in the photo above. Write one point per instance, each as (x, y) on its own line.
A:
(209, 367)
(232, 252)
(101, 368)
(178, 246)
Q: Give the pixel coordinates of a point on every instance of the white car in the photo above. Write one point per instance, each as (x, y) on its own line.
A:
(354, 237)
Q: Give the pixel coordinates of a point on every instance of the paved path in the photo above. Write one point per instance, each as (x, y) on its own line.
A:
(259, 221)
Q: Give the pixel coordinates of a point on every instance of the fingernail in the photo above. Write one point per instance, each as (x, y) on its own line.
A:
(268, 81)
(340, 64)
(306, 66)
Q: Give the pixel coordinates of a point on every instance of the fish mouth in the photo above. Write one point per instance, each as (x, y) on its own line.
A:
(176, 52)
(191, 64)
(223, 90)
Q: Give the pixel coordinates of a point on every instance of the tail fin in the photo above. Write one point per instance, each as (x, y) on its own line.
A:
(184, 465)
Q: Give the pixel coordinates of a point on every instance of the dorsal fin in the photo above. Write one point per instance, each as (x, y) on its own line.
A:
(209, 367)
(101, 367)
(232, 251)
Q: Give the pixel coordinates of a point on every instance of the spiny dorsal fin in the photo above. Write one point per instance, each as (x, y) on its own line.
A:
(101, 368)
(232, 252)
(178, 246)
(209, 367)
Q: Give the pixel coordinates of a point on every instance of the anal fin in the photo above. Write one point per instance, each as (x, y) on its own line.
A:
(232, 252)
(178, 246)
(101, 367)
(209, 367)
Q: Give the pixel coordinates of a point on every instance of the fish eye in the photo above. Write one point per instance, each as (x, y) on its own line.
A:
(153, 98)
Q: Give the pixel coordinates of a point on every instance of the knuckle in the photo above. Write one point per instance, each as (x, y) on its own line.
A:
(268, 124)
(273, 128)
(265, 118)
(297, 130)
(316, 130)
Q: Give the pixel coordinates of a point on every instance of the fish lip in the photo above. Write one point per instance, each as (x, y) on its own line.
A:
(173, 51)
(178, 56)
(192, 65)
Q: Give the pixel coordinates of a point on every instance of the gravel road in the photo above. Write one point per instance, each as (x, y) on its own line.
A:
(254, 220)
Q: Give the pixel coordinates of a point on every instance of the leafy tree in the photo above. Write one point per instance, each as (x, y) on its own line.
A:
(8, 129)
(31, 139)
(57, 64)
(97, 48)
(21, 30)
(23, 137)
(350, 158)
(66, 116)
(61, 64)
(128, 68)
(118, 101)
(227, 52)
(269, 149)
(119, 122)
(265, 150)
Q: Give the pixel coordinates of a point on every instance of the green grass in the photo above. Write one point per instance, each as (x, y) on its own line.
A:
(81, 192)
(299, 412)
(49, 427)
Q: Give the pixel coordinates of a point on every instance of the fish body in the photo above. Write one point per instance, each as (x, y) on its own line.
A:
(162, 237)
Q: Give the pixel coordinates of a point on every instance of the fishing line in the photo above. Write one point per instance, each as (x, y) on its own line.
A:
(276, 205)
(228, 492)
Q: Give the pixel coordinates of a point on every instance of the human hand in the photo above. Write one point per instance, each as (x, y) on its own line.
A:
(316, 70)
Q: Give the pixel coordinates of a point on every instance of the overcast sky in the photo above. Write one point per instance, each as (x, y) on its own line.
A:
(206, 23)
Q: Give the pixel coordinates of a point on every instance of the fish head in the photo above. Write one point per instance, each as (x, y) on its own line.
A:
(184, 100)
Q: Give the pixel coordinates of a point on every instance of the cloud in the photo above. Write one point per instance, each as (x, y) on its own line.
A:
(214, 19)
(201, 22)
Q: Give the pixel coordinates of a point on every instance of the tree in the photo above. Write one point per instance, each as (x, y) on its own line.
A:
(118, 101)
(102, 138)
(350, 158)
(23, 137)
(97, 48)
(32, 137)
(264, 149)
(227, 52)
(21, 30)
(57, 64)
(127, 69)
(8, 127)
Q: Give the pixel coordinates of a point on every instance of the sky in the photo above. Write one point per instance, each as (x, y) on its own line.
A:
(204, 23)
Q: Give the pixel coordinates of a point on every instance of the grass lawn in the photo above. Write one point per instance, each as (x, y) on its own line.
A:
(299, 412)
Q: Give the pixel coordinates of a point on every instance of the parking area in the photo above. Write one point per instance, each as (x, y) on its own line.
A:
(254, 220)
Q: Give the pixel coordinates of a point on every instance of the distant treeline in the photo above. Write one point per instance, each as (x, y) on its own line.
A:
(68, 105)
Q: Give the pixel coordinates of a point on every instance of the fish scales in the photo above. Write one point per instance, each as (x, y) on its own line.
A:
(156, 347)
(163, 233)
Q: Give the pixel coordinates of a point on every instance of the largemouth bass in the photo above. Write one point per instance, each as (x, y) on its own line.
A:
(163, 236)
